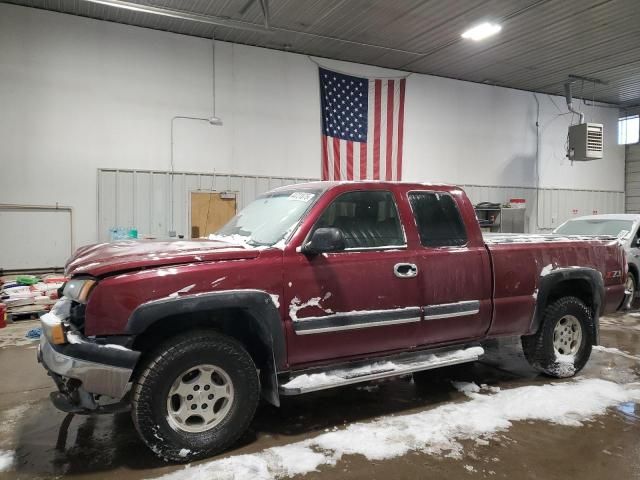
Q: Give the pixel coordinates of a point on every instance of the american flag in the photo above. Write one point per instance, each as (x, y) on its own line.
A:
(362, 127)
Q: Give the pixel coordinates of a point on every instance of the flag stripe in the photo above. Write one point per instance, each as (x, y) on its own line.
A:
(336, 159)
(383, 130)
(400, 127)
(390, 94)
(325, 158)
(394, 145)
(363, 161)
(376, 129)
(349, 160)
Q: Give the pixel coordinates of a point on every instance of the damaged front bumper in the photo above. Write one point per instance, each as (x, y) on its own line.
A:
(90, 377)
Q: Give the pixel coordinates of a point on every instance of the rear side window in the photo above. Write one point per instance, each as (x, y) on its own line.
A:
(438, 219)
(367, 219)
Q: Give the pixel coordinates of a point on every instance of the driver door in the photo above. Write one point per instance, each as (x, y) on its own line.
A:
(358, 301)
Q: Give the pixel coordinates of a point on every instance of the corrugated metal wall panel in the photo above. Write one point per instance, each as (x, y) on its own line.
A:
(142, 199)
(555, 205)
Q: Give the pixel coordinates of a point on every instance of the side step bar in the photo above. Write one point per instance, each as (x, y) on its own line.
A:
(381, 368)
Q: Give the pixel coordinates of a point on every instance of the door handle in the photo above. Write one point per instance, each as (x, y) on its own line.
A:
(405, 270)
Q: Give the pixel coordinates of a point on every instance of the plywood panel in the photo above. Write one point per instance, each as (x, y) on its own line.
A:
(209, 212)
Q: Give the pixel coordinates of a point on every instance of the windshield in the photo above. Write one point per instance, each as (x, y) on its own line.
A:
(271, 217)
(596, 226)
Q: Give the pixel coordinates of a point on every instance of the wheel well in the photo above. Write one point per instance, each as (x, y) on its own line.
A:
(633, 270)
(233, 322)
(579, 288)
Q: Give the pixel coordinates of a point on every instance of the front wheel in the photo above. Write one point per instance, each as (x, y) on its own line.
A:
(562, 345)
(196, 396)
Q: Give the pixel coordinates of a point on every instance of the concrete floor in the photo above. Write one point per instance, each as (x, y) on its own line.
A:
(51, 444)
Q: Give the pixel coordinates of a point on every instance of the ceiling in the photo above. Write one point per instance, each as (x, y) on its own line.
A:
(542, 41)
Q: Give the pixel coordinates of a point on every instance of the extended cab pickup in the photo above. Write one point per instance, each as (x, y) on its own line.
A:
(309, 287)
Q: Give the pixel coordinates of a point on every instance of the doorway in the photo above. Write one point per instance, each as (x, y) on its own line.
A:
(210, 211)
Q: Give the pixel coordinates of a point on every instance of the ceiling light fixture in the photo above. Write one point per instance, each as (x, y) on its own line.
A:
(481, 31)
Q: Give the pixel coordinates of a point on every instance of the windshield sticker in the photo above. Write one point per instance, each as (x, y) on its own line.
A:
(301, 196)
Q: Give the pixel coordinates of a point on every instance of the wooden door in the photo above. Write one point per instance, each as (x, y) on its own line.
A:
(209, 212)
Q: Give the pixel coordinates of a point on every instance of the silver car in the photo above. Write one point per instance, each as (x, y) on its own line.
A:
(621, 225)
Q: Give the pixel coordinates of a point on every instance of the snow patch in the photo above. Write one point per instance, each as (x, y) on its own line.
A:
(235, 239)
(275, 300)
(546, 270)
(615, 351)
(6, 460)
(436, 431)
(488, 388)
(565, 365)
(313, 380)
(184, 452)
(466, 387)
(296, 305)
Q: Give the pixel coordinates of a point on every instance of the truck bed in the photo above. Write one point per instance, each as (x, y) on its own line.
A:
(521, 262)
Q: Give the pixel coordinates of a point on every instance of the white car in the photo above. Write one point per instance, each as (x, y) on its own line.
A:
(621, 225)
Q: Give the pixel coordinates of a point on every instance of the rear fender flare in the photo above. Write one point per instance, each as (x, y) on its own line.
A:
(259, 305)
(548, 282)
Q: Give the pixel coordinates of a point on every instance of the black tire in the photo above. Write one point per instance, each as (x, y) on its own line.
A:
(629, 300)
(539, 349)
(165, 365)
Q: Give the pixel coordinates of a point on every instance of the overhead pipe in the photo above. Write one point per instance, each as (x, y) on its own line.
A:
(569, 98)
(181, 15)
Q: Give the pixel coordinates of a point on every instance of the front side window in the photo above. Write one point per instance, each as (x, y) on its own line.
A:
(438, 219)
(367, 219)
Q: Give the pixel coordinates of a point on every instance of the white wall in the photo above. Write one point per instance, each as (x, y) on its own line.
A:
(78, 94)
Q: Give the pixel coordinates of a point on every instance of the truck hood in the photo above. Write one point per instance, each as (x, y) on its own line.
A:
(108, 258)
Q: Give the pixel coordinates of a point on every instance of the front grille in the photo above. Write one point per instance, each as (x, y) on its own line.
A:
(76, 316)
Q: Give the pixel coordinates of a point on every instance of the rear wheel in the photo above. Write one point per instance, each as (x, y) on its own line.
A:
(562, 345)
(196, 396)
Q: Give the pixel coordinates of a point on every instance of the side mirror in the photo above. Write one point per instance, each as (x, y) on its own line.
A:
(325, 240)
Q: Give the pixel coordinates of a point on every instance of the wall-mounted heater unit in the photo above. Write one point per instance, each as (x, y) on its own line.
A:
(585, 141)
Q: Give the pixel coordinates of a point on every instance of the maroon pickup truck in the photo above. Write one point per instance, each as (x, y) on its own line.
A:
(313, 286)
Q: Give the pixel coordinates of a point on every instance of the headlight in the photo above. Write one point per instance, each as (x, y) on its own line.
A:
(78, 289)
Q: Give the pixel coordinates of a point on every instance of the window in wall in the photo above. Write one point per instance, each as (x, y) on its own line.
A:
(367, 219)
(629, 130)
(438, 219)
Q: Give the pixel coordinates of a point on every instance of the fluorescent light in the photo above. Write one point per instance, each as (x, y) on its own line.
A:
(482, 31)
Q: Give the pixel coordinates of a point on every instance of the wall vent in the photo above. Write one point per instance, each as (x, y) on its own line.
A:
(586, 141)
